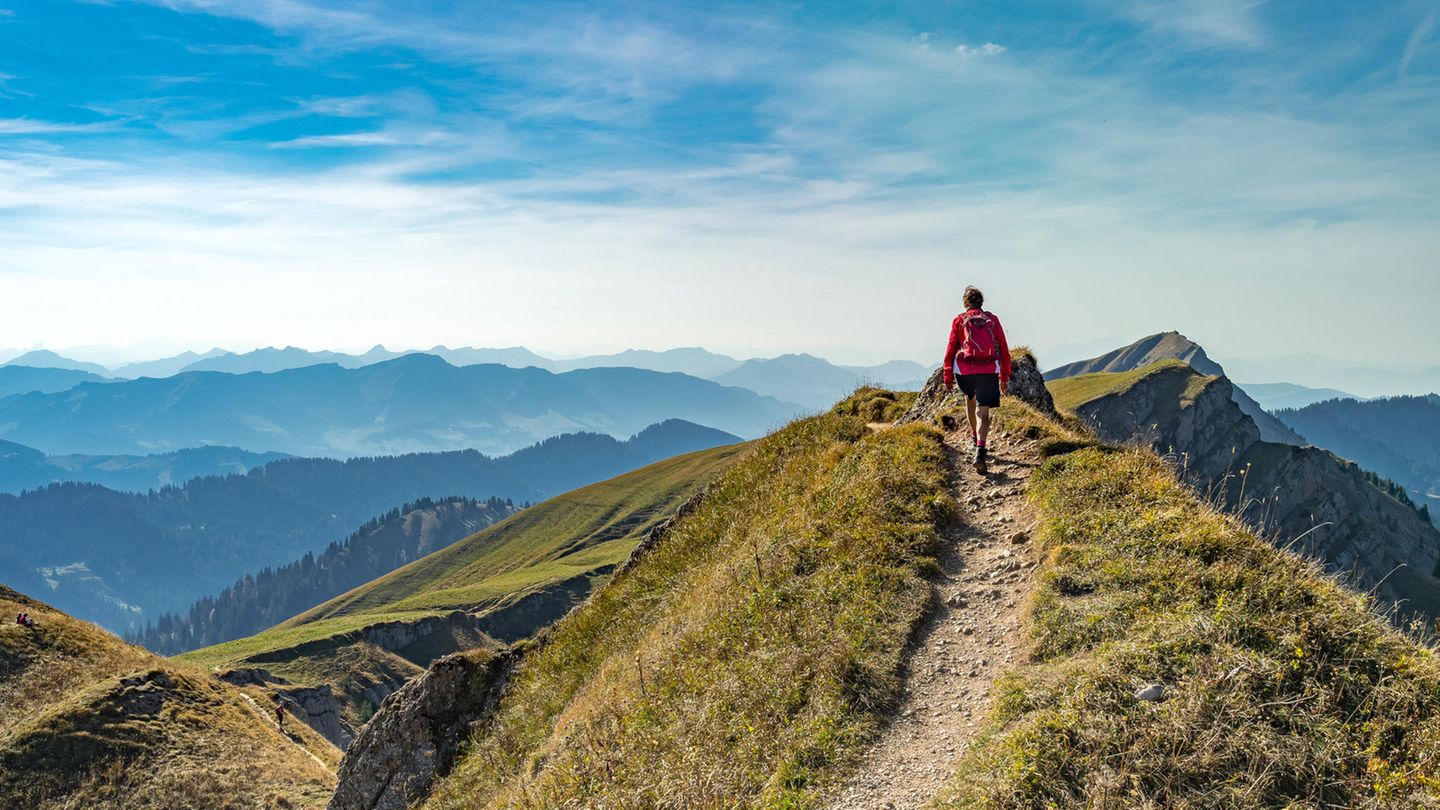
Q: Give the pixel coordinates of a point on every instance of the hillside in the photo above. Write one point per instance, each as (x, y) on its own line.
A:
(415, 403)
(272, 595)
(1175, 346)
(1397, 437)
(122, 559)
(746, 652)
(88, 721)
(1326, 505)
(820, 632)
(502, 583)
(1176, 659)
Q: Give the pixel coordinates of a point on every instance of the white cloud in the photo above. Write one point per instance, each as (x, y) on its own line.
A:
(988, 49)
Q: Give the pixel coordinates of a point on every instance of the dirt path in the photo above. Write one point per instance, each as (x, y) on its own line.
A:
(972, 636)
(269, 718)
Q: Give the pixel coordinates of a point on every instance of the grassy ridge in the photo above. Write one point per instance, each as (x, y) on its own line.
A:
(749, 653)
(1284, 689)
(573, 534)
(89, 721)
(1072, 392)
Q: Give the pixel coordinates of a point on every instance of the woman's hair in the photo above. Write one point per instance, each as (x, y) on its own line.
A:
(974, 299)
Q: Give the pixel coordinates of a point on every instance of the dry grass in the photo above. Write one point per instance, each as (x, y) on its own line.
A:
(747, 655)
(1284, 689)
(77, 734)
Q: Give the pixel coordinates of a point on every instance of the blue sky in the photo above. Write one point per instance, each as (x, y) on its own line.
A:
(753, 177)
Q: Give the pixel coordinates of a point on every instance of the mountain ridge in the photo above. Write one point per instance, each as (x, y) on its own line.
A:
(1175, 346)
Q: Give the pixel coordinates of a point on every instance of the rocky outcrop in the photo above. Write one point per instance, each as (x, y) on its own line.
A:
(1300, 497)
(314, 706)
(1175, 346)
(420, 641)
(1027, 384)
(416, 735)
(1181, 414)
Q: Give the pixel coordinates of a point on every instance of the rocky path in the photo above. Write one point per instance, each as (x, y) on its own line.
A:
(972, 636)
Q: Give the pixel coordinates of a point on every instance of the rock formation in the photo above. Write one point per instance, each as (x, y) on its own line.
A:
(416, 736)
(1027, 384)
(1306, 497)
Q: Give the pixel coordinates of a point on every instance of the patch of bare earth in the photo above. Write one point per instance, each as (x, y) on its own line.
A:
(972, 636)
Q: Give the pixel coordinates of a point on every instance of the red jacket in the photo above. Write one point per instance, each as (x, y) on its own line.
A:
(954, 364)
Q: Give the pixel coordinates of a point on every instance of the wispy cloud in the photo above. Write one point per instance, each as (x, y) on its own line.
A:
(1415, 42)
(1231, 23)
(30, 126)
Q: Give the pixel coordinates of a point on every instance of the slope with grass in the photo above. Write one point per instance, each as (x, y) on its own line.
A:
(89, 721)
(1277, 687)
(502, 583)
(1331, 509)
(746, 655)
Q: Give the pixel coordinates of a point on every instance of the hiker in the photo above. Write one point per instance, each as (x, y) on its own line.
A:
(280, 715)
(20, 618)
(977, 359)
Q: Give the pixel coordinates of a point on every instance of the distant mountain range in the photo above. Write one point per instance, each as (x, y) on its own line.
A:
(24, 467)
(1372, 379)
(25, 379)
(1275, 396)
(817, 383)
(1396, 437)
(1175, 346)
(794, 378)
(414, 403)
(119, 558)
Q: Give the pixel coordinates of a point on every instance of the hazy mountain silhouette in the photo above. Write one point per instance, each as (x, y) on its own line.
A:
(1275, 396)
(24, 467)
(24, 379)
(164, 366)
(815, 382)
(43, 358)
(414, 403)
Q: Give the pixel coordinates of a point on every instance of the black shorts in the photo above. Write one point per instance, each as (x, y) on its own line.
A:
(985, 388)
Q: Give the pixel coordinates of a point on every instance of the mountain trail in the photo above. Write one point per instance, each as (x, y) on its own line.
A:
(267, 717)
(972, 635)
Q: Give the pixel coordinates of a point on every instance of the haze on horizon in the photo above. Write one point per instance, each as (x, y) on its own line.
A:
(181, 174)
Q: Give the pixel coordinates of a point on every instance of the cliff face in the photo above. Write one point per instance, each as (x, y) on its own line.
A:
(1321, 503)
(1175, 346)
(416, 736)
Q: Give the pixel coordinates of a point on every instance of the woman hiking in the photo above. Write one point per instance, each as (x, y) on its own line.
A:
(977, 358)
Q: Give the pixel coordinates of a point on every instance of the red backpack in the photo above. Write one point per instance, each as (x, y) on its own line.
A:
(978, 343)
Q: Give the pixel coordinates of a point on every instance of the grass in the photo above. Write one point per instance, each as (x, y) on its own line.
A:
(74, 733)
(750, 654)
(1071, 393)
(1283, 689)
(580, 532)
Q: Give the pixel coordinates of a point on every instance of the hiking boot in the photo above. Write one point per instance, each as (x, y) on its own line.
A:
(980, 458)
